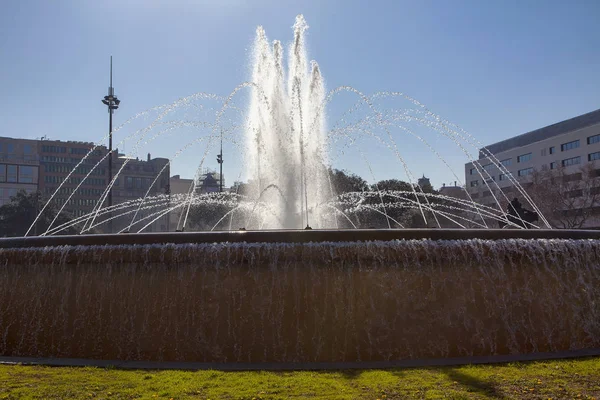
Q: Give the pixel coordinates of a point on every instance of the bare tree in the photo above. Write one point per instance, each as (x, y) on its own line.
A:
(568, 199)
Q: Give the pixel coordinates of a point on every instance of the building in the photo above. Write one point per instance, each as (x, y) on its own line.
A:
(209, 182)
(76, 175)
(19, 167)
(453, 191)
(178, 187)
(424, 182)
(566, 146)
(142, 179)
(63, 163)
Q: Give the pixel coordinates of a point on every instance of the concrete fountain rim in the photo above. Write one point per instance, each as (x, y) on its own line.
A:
(299, 366)
(296, 236)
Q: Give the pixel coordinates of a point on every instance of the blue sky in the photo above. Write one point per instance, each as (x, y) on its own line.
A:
(496, 69)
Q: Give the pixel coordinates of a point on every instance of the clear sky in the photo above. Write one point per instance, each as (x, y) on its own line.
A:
(495, 68)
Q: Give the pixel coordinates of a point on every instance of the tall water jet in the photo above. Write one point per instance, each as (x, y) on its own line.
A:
(286, 133)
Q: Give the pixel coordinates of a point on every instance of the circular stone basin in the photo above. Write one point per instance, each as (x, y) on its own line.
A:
(311, 296)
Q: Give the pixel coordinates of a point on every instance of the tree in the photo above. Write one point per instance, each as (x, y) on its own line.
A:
(203, 217)
(17, 216)
(392, 184)
(345, 182)
(569, 200)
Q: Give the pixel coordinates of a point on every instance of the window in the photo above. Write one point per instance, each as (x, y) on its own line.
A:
(575, 193)
(487, 193)
(593, 139)
(594, 156)
(10, 148)
(571, 161)
(53, 149)
(474, 183)
(553, 165)
(27, 149)
(2, 173)
(506, 162)
(488, 167)
(79, 150)
(552, 150)
(524, 158)
(525, 172)
(11, 173)
(25, 174)
(569, 145)
(502, 177)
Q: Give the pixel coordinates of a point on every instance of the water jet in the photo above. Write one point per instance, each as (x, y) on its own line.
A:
(291, 295)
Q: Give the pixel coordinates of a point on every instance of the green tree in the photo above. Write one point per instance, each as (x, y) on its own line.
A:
(392, 184)
(345, 182)
(17, 216)
(203, 217)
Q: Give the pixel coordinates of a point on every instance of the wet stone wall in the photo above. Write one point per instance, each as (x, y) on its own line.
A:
(305, 302)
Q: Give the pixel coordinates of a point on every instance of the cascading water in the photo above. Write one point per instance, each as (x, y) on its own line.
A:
(286, 133)
(299, 302)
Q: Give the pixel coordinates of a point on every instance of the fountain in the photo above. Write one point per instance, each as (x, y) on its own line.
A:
(286, 133)
(292, 296)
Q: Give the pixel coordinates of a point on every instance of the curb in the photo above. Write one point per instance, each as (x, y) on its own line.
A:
(301, 366)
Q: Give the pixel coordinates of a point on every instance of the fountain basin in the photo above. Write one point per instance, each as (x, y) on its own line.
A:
(300, 296)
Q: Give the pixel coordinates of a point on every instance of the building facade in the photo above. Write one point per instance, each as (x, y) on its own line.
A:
(142, 179)
(75, 175)
(19, 167)
(83, 180)
(178, 186)
(210, 182)
(567, 147)
(453, 191)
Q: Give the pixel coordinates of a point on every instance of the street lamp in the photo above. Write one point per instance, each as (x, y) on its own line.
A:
(220, 161)
(112, 102)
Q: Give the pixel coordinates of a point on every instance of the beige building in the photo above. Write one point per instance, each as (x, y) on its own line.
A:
(19, 167)
(453, 191)
(178, 186)
(138, 178)
(567, 146)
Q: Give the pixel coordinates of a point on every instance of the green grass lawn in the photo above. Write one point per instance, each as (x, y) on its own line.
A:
(566, 379)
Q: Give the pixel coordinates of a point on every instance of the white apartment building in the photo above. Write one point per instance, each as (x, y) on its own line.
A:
(570, 144)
